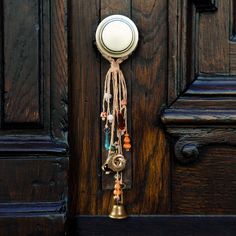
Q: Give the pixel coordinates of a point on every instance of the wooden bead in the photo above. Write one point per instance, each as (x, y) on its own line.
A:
(103, 114)
(127, 144)
(126, 139)
(123, 102)
(117, 186)
(117, 192)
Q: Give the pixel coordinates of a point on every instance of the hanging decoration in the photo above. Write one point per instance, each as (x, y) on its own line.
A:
(116, 39)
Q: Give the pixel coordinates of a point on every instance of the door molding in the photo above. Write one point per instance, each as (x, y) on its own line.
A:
(202, 104)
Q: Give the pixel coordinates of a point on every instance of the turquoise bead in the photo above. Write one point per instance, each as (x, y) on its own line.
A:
(107, 142)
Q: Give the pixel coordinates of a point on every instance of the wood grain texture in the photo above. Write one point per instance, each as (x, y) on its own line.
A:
(214, 54)
(181, 46)
(232, 58)
(59, 70)
(33, 143)
(35, 67)
(85, 186)
(150, 192)
(33, 179)
(22, 45)
(232, 37)
(208, 187)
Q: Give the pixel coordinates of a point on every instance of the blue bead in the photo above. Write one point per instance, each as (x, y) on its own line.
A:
(107, 142)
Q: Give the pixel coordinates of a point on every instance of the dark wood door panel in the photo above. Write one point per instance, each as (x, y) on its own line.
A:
(207, 186)
(33, 179)
(33, 117)
(21, 65)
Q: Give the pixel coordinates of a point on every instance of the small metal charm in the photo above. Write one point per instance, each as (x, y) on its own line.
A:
(115, 163)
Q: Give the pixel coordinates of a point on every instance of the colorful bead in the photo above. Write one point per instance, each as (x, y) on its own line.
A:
(121, 121)
(107, 96)
(110, 118)
(127, 144)
(123, 102)
(107, 141)
(107, 138)
(103, 115)
(117, 190)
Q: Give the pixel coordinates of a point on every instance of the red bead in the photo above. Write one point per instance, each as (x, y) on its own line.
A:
(121, 121)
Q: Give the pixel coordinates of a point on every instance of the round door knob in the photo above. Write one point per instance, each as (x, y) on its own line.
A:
(117, 36)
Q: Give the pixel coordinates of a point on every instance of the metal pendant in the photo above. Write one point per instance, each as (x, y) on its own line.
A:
(115, 163)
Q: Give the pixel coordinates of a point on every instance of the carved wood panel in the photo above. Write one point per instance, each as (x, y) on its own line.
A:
(34, 74)
(33, 105)
(201, 115)
(22, 65)
(208, 96)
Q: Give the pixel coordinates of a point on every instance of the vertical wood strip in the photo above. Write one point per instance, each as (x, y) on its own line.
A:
(59, 70)
(181, 45)
(232, 55)
(214, 43)
(85, 101)
(173, 23)
(150, 193)
(1, 62)
(233, 17)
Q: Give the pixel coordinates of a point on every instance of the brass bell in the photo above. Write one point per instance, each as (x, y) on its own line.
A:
(118, 212)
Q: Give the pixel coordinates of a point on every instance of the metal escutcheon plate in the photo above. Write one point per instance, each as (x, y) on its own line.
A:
(117, 36)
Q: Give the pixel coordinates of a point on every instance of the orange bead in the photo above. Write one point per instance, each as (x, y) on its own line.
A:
(117, 192)
(117, 186)
(127, 146)
(126, 139)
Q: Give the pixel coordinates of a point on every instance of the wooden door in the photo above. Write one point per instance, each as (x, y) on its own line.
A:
(182, 110)
(181, 176)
